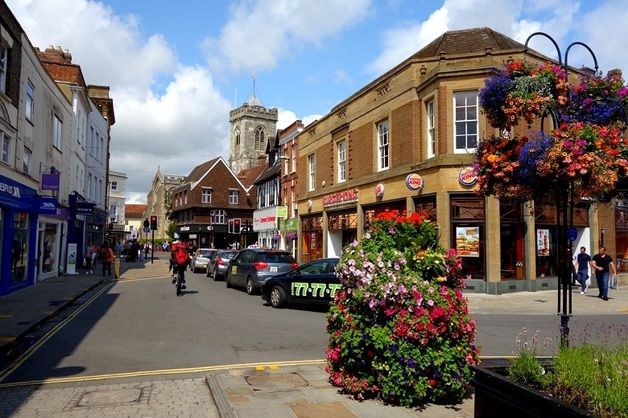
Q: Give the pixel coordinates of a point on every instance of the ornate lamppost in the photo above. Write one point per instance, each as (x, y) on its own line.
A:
(585, 155)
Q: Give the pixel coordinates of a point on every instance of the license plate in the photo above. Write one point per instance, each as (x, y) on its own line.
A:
(273, 269)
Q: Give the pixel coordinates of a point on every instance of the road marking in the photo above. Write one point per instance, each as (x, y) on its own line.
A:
(202, 369)
(7, 316)
(32, 349)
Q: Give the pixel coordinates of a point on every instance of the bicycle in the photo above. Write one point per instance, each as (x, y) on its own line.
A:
(180, 280)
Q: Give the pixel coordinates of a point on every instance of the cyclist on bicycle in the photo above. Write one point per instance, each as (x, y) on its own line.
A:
(181, 259)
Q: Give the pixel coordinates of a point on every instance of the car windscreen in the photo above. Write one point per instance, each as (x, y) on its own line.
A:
(205, 253)
(275, 257)
(228, 255)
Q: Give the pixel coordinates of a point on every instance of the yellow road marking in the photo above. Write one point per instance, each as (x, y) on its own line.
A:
(7, 316)
(203, 369)
(7, 338)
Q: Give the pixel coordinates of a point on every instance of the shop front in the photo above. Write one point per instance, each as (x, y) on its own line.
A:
(266, 225)
(311, 238)
(51, 227)
(203, 235)
(288, 230)
(18, 229)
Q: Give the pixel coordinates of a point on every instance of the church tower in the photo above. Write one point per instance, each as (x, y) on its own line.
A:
(252, 126)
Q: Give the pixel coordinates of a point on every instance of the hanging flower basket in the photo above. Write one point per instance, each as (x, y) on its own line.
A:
(522, 91)
(291, 236)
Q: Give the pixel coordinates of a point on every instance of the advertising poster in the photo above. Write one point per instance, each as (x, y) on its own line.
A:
(542, 242)
(71, 259)
(468, 241)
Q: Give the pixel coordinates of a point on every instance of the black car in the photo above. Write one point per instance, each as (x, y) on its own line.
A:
(313, 282)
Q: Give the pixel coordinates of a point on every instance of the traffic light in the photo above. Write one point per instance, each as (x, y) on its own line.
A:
(146, 223)
(233, 226)
(153, 222)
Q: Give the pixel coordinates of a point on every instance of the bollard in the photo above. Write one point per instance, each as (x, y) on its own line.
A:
(116, 267)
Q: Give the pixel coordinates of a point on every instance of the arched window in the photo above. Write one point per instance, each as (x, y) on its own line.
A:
(237, 136)
(259, 139)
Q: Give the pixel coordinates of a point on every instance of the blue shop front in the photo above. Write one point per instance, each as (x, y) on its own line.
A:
(19, 206)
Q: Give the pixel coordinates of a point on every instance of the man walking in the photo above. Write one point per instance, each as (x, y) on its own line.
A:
(582, 269)
(602, 264)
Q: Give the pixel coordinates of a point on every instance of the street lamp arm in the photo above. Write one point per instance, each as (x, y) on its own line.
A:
(560, 61)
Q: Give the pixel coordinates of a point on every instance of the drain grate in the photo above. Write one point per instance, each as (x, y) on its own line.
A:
(109, 397)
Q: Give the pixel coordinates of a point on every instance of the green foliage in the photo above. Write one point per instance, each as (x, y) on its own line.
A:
(399, 329)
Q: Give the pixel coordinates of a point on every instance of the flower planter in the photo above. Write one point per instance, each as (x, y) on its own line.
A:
(497, 395)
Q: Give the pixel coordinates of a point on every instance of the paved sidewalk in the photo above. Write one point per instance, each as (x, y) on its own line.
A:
(290, 390)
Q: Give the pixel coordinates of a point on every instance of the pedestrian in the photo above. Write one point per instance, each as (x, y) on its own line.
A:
(89, 256)
(119, 249)
(581, 264)
(603, 264)
(106, 257)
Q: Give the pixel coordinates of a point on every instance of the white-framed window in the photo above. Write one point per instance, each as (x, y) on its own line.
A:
(30, 101)
(272, 193)
(311, 169)
(57, 131)
(431, 130)
(383, 144)
(185, 197)
(27, 157)
(233, 196)
(114, 186)
(206, 195)
(465, 121)
(6, 147)
(342, 161)
(4, 53)
(293, 166)
(218, 216)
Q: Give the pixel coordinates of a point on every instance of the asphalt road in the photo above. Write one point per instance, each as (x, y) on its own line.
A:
(137, 327)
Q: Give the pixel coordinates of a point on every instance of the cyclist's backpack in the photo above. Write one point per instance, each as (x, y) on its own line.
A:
(181, 256)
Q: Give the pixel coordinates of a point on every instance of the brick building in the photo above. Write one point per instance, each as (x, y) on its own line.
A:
(406, 142)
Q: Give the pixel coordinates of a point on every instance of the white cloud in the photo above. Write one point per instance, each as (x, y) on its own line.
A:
(260, 33)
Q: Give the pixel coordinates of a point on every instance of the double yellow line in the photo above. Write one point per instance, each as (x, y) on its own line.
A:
(162, 372)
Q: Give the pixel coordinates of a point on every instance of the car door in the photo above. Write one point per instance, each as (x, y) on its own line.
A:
(308, 284)
(235, 268)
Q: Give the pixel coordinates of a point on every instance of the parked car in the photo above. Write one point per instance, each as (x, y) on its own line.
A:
(217, 265)
(313, 282)
(201, 258)
(252, 266)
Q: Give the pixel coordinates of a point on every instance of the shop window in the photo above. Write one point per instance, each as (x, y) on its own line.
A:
(312, 239)
(427, 205)
(468, 234)
(621, 238)
(19, 253)
(511, 241)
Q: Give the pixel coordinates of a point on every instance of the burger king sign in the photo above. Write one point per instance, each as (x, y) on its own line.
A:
(414, 182)
(467, 176)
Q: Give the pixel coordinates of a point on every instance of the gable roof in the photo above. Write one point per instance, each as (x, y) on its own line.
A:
(202, 170)
(249, 175)
(134, 210)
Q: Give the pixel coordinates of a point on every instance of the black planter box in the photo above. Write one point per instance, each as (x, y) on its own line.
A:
(496, 395)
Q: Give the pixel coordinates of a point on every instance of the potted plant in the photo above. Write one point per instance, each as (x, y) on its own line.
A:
(399, 329)
(587, 378)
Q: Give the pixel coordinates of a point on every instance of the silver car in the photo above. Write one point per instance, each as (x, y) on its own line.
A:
(200, 259)
(217, 266)
(251, 267)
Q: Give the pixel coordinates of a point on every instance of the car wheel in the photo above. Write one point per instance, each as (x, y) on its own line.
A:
(227, 281)
(277, 297)
(250, 287)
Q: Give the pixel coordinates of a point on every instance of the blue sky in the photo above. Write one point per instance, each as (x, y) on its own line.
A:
(176, 68)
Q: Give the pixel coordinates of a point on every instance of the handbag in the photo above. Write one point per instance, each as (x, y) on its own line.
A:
(612, 282)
